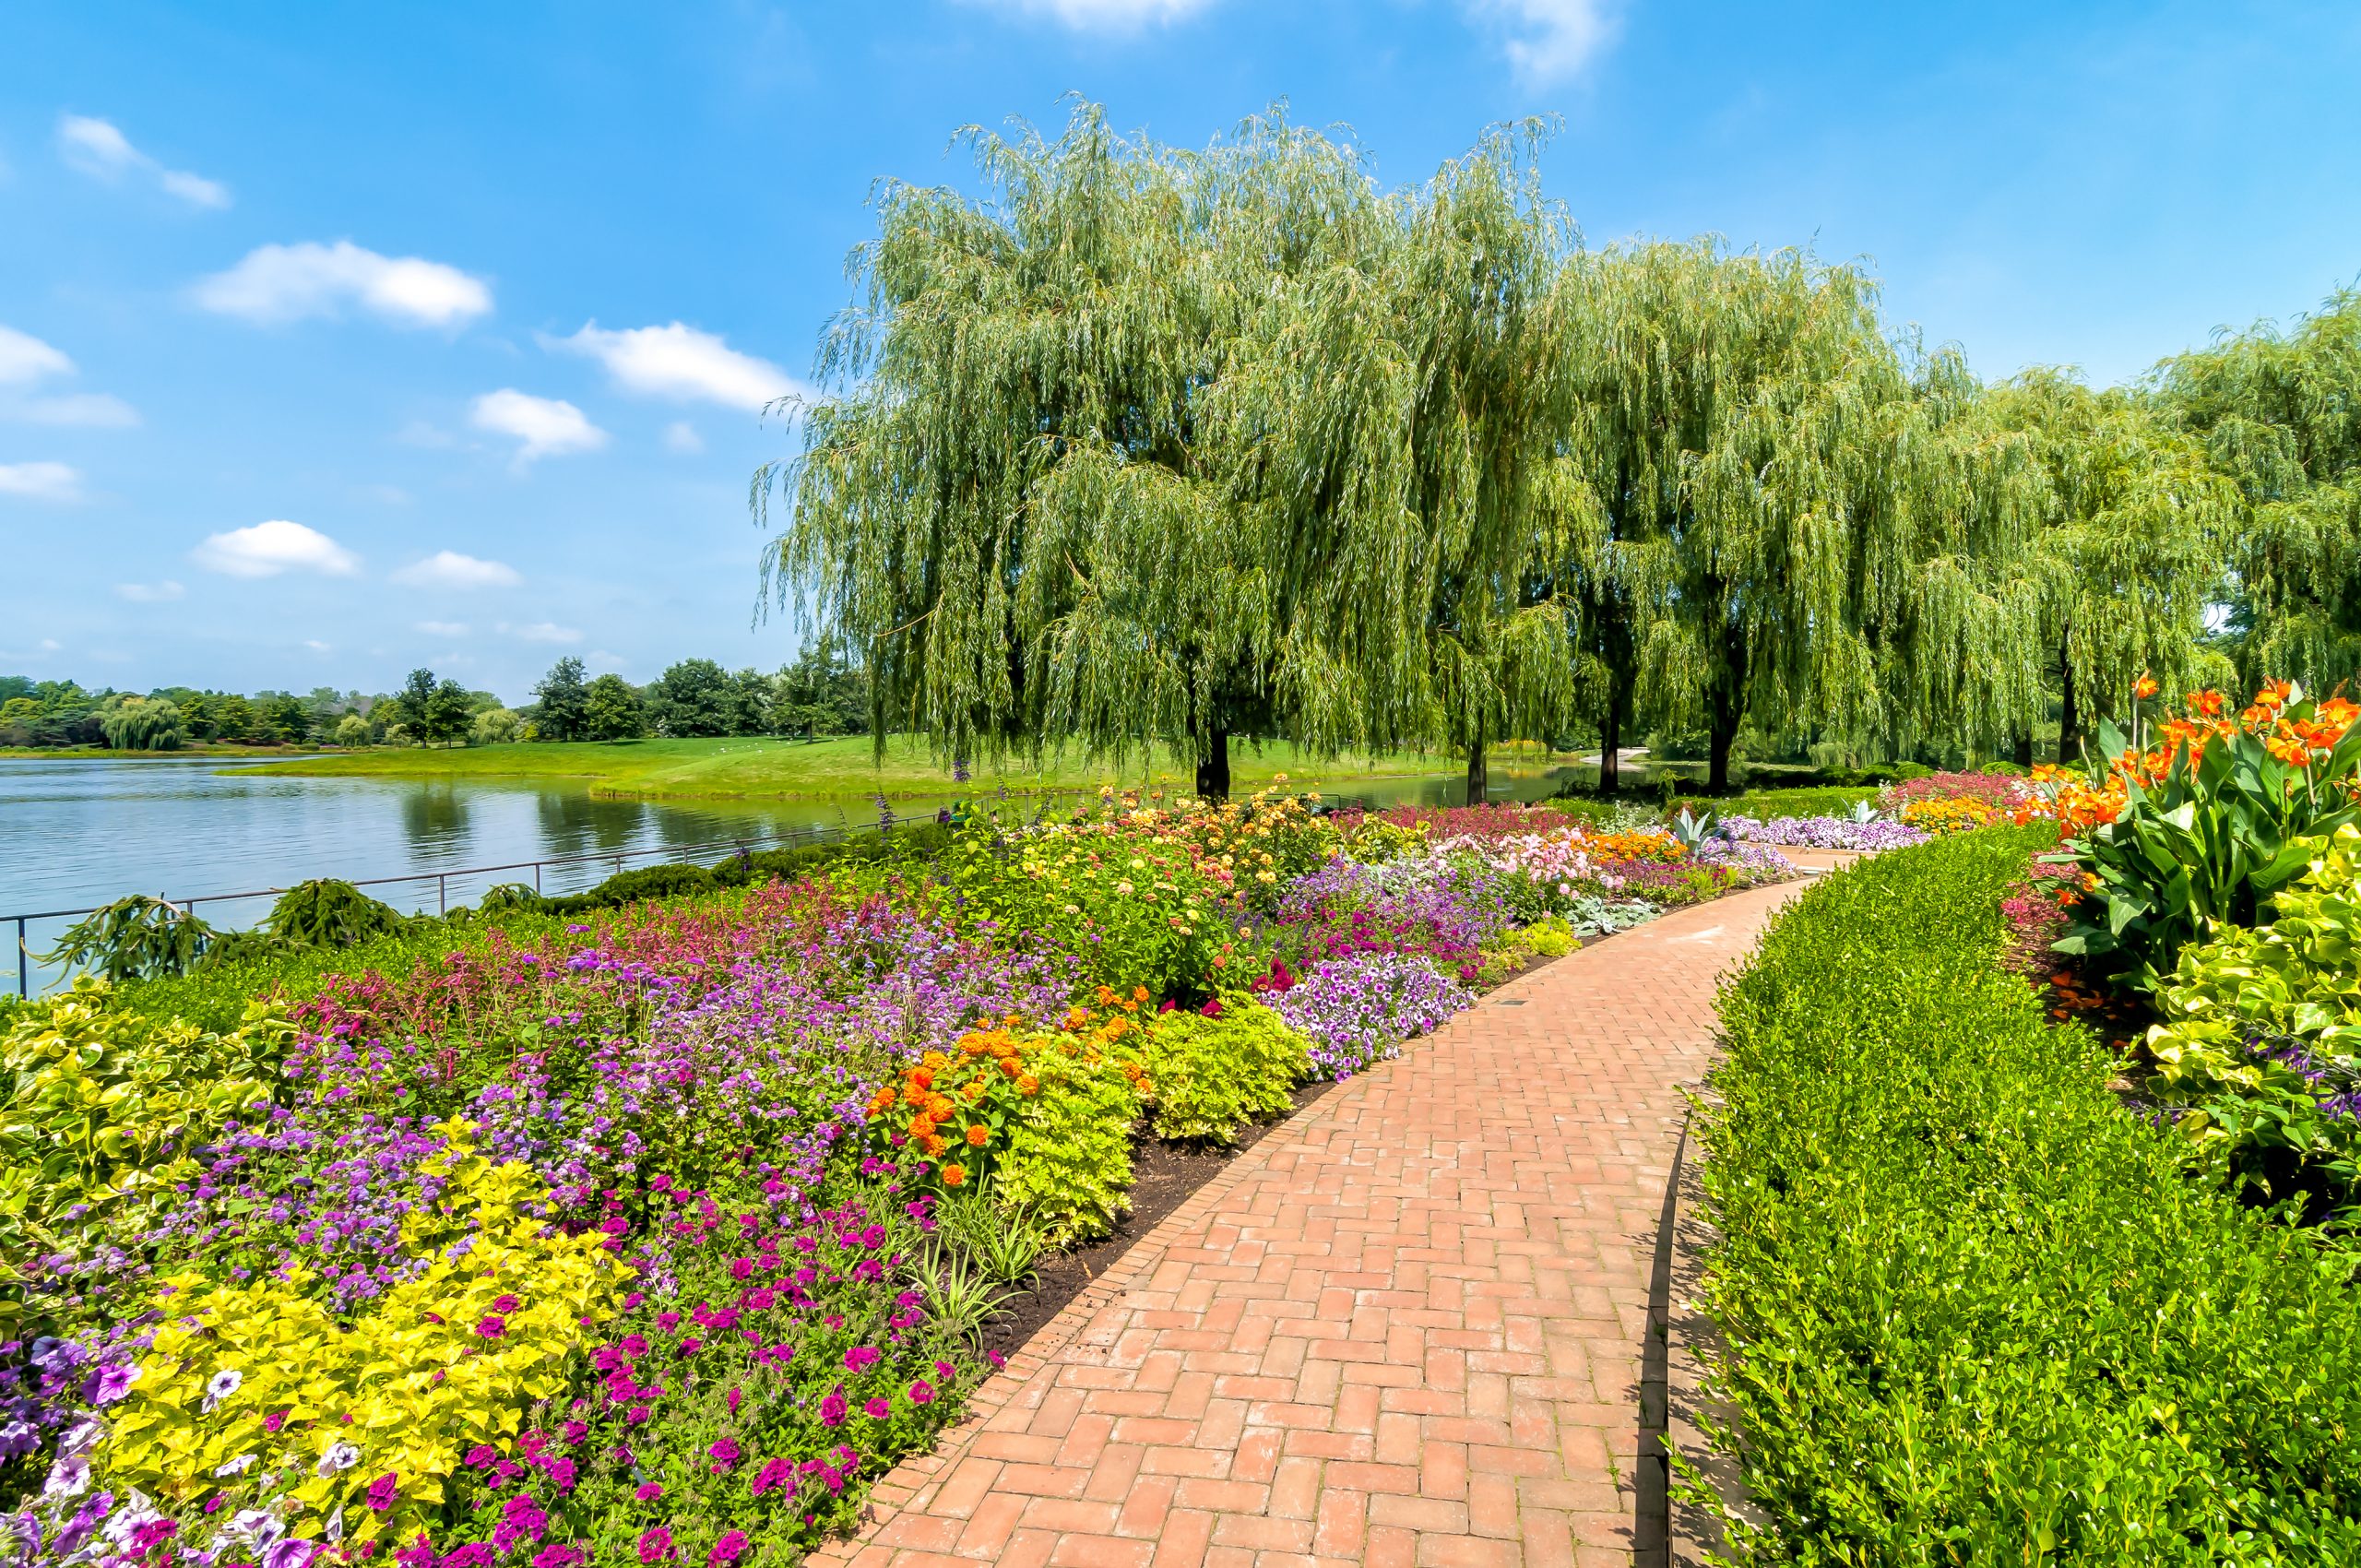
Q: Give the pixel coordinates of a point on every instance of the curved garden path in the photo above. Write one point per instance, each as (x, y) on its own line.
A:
(1412, 1326)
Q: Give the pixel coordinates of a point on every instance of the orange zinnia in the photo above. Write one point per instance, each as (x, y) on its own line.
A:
(978, 1135)
(954, 1174)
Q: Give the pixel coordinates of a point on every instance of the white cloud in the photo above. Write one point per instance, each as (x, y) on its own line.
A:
(151, 593)
(449, 569)
(682, 436)
(316, 644)
(40, 482)
(25, 359)
(1549, 42)
(100, 150)
(51, 644)
(1105, 16)
(267, 549)
(444, 628)
(682, 363)
(543, 631)
(276, 283)
(82, 410)
(546, 427)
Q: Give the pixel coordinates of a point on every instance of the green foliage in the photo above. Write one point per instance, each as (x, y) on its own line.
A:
(1068, 1159)
(2207, 845)
(562, 702)
(1974, 1311)
(2259, 1050)
(2279, 416)
(134, 938)
(1138, 913)
(611, 711)
(137, 724)
(1208, 1077)
(328, 913)
(104, 1107)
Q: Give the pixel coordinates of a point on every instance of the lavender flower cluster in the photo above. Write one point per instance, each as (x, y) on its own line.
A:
(1824, 832)
(1358, 1009)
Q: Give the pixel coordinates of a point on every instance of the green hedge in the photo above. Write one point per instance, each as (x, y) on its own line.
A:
(1977, 1310)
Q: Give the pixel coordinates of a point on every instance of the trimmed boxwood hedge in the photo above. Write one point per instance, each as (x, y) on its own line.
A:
(1975, 1309)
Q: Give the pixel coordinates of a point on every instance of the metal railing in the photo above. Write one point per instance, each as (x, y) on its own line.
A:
(746, 843)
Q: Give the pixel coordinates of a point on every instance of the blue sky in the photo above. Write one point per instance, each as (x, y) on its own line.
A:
(335, 339)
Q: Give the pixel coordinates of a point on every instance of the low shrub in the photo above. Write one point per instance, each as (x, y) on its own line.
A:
(328, 913)
(1975, 1309)
(1209, 1076)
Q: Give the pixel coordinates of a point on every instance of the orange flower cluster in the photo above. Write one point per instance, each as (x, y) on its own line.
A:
(1950, 813)
(961, 1100)
(1648, 844)
(2078, 804)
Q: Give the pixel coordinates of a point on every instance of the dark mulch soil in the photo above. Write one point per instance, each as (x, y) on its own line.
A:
(1164, 1175)
(2117, 1016)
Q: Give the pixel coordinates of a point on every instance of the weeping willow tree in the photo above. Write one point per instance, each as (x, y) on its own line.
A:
(1749, 433)
(1118, 452)
(2112, 577)
(1497, 511)
(2280, 417)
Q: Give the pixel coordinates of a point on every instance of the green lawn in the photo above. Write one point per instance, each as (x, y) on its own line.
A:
(760, 769)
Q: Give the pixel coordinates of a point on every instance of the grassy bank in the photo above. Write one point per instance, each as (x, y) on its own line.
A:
(765, 769)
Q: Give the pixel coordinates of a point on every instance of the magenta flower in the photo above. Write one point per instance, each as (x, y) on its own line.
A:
(861, 1358)
(655, 1544)
(724, 1453)
(384, 1492)
(505, 1305)
(648, 1491)
(728, 1549)
(492, 1326)
(878, 1410)
(832, 1409)
(921, 1392)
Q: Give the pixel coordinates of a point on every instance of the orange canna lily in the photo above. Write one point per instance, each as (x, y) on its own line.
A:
(2145, 686)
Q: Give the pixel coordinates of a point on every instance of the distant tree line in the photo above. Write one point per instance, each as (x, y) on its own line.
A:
(817, 695)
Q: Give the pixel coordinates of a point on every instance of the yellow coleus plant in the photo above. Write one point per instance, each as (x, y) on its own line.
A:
(258, 1392)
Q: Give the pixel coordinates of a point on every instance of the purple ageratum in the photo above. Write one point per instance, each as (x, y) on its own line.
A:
(1358, 1010)
(1825, 833)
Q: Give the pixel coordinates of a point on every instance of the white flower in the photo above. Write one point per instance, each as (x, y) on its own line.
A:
(223, 1383)
(335, 1520)
(339, 1458)
(237, 1466)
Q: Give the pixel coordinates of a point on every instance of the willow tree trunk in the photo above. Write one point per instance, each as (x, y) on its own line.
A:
(1721, 733)
(1610, 741)
(1479, 778)
(2070, 723)
(1212, 768)
(2024, 749)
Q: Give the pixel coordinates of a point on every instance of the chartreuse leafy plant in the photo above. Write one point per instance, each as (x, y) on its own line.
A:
(1210, 1077)
(353, 1430)
(2260, 1050)
(2203, 827)
(1975, 1309)
(106, 1107)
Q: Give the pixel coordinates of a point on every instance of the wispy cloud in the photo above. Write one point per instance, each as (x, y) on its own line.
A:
(282, 283)
(1103, 16)
(541, 631)
(25, 359)
(682, 436)
(681, 363)
(40, 482)
(1549, 43)
(267, 549)
(97, 149)
(77, 411)
(449, 569)
(542, 427)
(151, 593)
(444, 628)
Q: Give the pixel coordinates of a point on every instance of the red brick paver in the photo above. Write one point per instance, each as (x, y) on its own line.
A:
(1409, 1328)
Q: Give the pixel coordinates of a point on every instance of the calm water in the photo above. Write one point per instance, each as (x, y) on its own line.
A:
(78, 833)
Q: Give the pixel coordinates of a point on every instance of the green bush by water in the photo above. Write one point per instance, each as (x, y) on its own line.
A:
(1978, 1311)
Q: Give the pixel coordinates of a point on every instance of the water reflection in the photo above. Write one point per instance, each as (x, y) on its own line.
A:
(77, 833)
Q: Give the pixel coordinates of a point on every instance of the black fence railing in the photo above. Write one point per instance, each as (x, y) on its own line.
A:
(443, 877)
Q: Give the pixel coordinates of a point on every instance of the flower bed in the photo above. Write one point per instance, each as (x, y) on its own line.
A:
(655, 1235)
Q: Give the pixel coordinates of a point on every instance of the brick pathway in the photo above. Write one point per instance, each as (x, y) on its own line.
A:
(1411, 1328)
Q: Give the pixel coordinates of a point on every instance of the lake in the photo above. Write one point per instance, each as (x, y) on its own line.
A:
(80, 832)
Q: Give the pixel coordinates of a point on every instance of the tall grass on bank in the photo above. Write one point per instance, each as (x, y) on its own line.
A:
(1975, 1309)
